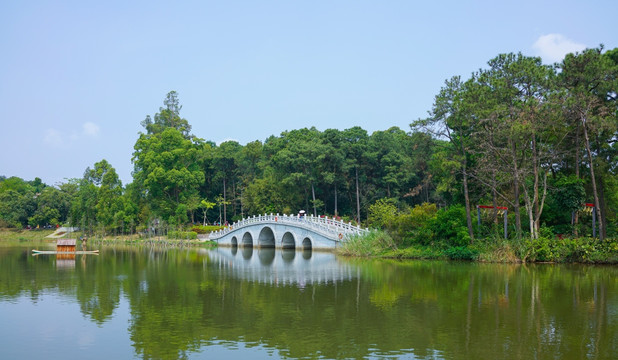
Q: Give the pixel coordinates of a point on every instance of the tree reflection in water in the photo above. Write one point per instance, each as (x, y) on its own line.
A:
(317, 305)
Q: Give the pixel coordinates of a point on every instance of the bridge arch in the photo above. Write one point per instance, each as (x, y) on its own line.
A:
(288, 241)
(266, 237)
(247, 239)
(307, 243)
(234, 241)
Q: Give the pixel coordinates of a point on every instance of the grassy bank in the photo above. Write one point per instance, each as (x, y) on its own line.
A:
(152, 241)
(13, 237)
(378, 243)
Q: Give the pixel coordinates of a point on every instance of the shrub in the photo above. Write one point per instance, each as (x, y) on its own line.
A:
(415, 226)
(412, 227)
(405, 226)
(498, 251)
(382, 213)
(449, 226)
(373, 243)
(191, 235)
(200, 229)
(583, 250)
(590, 250)
(461, 253)
(540, 249)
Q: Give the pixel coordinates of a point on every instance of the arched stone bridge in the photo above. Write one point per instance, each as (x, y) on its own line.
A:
(287, 232)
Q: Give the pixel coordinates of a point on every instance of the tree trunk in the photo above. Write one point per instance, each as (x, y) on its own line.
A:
(242, 209)
(467, 200)
(494, 196)
(602, 207)
(535, 201)
(577, 160)
(537, 219)
(602, 204)
(336, 214)
(234, 199)
(597, 203)
(516, 206)
(516, 190)
(357, 197)
(306, 199)
(224, 203)
(315, 212)
(529, 206)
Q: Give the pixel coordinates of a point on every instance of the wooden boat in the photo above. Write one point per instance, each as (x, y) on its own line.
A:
(65, 247)
(36, 252)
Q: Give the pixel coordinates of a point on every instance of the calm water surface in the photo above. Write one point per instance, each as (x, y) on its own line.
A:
(257, 303)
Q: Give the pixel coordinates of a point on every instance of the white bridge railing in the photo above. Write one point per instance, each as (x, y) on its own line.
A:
(329, 227)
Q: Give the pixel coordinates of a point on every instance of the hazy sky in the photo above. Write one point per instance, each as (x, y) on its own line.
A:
(78, 77)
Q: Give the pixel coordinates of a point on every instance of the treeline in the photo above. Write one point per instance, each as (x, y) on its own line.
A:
(538, 139)
(521, 131)
(179, 178)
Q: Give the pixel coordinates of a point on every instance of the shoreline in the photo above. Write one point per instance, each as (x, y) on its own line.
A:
(585, 251)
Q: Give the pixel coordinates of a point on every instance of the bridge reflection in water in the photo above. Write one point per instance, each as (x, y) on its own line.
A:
(282, 267)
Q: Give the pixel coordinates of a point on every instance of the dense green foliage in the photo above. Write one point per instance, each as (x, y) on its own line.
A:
(539, 140)
(189, 235)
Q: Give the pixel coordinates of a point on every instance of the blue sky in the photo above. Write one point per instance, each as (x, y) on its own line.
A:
(78, 77)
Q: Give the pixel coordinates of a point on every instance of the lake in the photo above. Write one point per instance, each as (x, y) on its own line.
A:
(156, 303)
